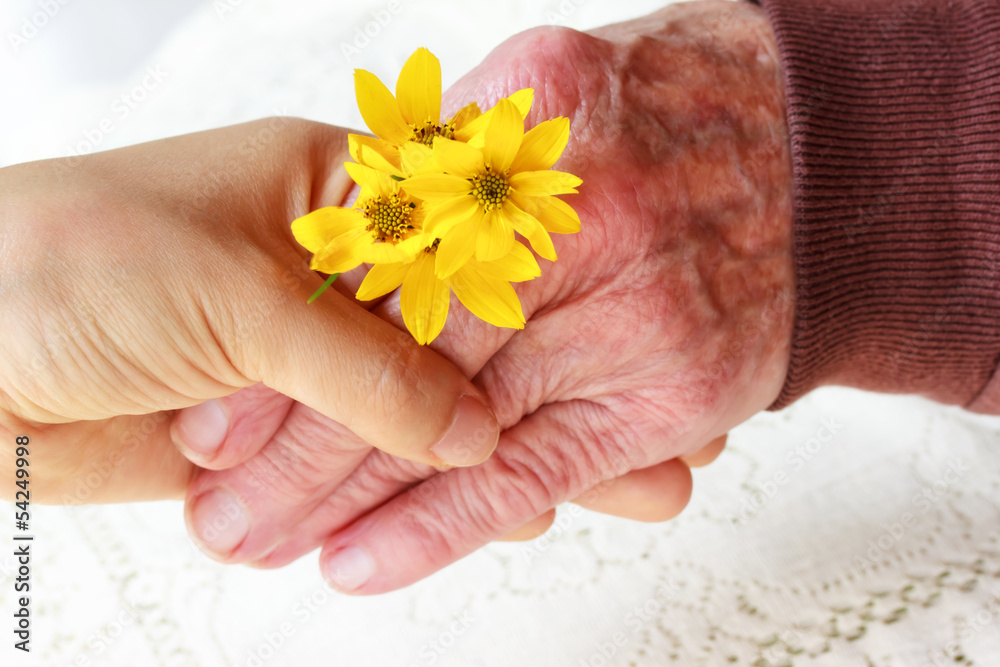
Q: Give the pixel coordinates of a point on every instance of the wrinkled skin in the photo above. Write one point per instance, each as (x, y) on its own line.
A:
(663, 324)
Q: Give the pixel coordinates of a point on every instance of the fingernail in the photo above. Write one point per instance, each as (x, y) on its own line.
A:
(202, 428)
(219, 522)
(349, 569)
(472, 437)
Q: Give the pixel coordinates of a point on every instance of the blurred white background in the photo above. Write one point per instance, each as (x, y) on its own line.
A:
(777, 583)
(63, 62)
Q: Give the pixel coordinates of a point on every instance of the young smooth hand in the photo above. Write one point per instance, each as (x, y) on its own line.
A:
(142, 280)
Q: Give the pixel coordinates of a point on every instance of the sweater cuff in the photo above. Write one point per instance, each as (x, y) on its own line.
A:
(894, 118)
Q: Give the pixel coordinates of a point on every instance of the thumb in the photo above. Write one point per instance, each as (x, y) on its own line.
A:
(332, 355)
(351, 366)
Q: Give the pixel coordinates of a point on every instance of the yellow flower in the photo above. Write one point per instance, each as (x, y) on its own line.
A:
(440, 202)
(482, 287)
(385, 225)
(414, 114)
(487, 193)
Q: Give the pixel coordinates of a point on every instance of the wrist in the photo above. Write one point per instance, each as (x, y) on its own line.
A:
(755, 286)
(895, 229)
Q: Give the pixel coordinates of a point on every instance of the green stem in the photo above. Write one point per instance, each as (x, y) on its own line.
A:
(329, 281)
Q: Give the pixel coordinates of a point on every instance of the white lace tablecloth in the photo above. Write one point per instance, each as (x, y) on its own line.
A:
(850, 529)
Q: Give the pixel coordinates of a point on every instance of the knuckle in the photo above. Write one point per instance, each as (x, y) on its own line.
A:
(302, 457)
(516, 486)
(433, 523)
(548, 53)
(551, 44)
(521, 481)
(380, 476)
(278, 473)
(528, 483)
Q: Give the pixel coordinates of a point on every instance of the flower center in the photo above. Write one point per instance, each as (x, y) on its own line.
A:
(432, 248)
(490, 189)
(388, 218)
(426, 132)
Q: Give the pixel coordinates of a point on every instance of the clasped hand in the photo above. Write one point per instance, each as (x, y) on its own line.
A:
(158, 329)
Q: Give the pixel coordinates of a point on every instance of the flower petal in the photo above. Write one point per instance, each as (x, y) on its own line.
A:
(417, 159)
(418, 88)
(556, 216)
(542, 145)
(389, 253)
(317, 229)
(503, 136)
(374, 153)
(379, 109)
(343, 253)
(522, 99)
(495, 238)
(443, 217)
(382, 279)
(541, 183)
(457, 158)
(465, 115)
(517, 266)
(424, 300)
(457, 248)
(473, 129)
(472, 132)
(436, 186)
(492, 300)
(530, 228)
(541, 243)
(377, 182)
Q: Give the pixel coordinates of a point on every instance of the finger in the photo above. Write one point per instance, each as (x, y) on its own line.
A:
(663, 492)
(706, 454)
(236, 515)
(369, 376)
(224, 432)
(125, 458)
(377, 479)
(656, 493)
(534, 528)
(553, 455)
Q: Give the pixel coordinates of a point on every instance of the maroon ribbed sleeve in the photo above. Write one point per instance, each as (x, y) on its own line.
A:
(894, 116)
